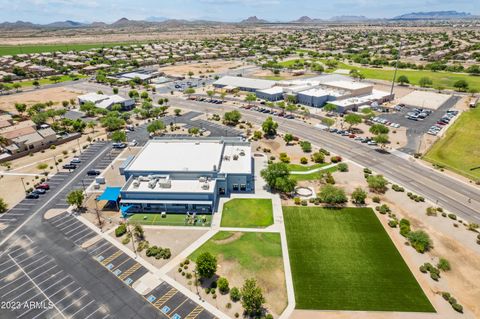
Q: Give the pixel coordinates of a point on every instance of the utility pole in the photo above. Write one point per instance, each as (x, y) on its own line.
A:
(396, 68)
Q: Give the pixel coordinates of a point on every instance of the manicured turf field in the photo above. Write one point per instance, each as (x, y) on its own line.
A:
(459, 149)
(304, 168)
(170, 220)
(247, 212)
(342, 259)
(47, 80)
(39, 48)
(445, 79)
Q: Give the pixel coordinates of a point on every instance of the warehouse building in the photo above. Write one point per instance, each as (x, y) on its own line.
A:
(185, 175)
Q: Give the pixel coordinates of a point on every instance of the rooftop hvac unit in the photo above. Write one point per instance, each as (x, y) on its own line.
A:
(235, 157)
(202, 179)
(242, 153)
(136, 183)
(205, 186)
(143, 178)
(165, 183)
(152, 183)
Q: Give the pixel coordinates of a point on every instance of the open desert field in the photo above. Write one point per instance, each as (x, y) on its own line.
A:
(200, 68)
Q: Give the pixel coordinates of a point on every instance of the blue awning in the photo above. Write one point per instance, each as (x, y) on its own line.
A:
(110, 194)
(124, 209)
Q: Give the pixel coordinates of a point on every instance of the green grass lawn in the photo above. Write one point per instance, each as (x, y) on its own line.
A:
(343, 259)
(170, 220)
(459, 149)
(304, 168)
(45, 81)
(243, 255)
(445, 79)
(314, 175)
(247, 212)
(39, 48)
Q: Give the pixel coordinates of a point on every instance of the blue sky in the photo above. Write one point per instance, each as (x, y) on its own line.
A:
(45, 11)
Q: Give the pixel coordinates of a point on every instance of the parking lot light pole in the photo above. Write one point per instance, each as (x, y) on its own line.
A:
(98, 215)
(131, 236)
(23, 183)
(55, 161)
(79, 148)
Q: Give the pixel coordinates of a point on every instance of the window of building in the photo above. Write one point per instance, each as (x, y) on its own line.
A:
(243, 187)
(235, 187)
(221, 191)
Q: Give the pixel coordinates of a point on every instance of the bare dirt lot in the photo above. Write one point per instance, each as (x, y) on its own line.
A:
(56, 95)
(200, 68)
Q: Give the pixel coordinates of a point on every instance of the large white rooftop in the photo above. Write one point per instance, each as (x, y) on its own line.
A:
(191, 155)
(348, 85)
(238, 81)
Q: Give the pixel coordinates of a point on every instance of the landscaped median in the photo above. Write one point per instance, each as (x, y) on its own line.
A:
(247, 212)
(343, 259)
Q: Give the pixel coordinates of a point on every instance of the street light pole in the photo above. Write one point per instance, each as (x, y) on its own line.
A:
(55, 160)
(79, 148)
(98, 215)
(23, 185)
(133, 239)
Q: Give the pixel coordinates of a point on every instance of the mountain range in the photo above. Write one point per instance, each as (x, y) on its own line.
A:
(158, 21)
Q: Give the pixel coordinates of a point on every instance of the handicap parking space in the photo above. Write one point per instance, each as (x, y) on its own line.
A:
(37, 287)
(174, 304)
(124, 267)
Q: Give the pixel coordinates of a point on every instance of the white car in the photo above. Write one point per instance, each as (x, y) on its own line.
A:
(133, 143)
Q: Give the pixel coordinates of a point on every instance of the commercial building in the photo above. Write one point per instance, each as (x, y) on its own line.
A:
(185, 175)
(243, 84)
(107, 101)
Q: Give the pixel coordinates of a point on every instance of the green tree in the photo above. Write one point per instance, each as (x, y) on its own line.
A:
(115, 90)
(425, 82)
(269, 127)
(42, 166)
(277, 177)
(252, 297)
(329, 107)
(381, 139)
(288, 138)
(76, 197)
(251, 97)
(3, 206)
(206, 265)
(20, 107)
(16, 86)
(328, 121)
(189, 91)
(332, 195)
(155, 126)
(359, 196)
(461, 85)
(378, 129)
(177, 112)
(318, 157)
(235, 294)
(36, 84)
(112, 121)
(443, 264)
(352, 119)
(210, 93)
(377, 183)
(118, 136)
(144, 95)
(403, 79)
(232, 118)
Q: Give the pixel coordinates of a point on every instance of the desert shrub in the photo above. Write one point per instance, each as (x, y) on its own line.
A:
(284, 158)
(126, 240)
(383, 209)
(431, 211)
(304, 202)
(336, 159)
(235, 294)
(318, 157)
(306, 146)
(367, 171)
(342, 167)
(304, 160)
(457, 307)
(452, 216)
(397, 188)
(446, 295)
(419, 240)
(329, 178)
(297, 200)
(223, 285)
(392, 223)
(376, 199)
(443, 264)
(120, 230)
(324, 151)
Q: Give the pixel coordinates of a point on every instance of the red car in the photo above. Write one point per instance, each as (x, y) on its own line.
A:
(352, 136)
(44, 186)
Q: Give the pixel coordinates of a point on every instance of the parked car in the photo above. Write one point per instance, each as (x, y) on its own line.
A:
(93, 172)
(133, 143)
(69, 166)
(119, 145)
(75, 160)
(39, 191)
(32, 196)
(44, 186)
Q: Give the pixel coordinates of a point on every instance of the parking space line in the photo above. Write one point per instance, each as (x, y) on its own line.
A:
(103, 244)
(28, 310)
(79, 239)
(91, 313)
(163, 299)
(62, 223)
(81, 308)
(63, 288)
(194, 313)
(36, 315)
(69, 231)
(55, 222)
(67, 295)
(186, 299)
(75, 301)
(112, 257)
(11, 282)
(77, 233)
(130, 271)
(26, 291)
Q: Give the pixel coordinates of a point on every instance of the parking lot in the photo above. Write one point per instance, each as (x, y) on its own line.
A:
(32, 285)
(140, 134)
(416, 128)
(174, 304)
